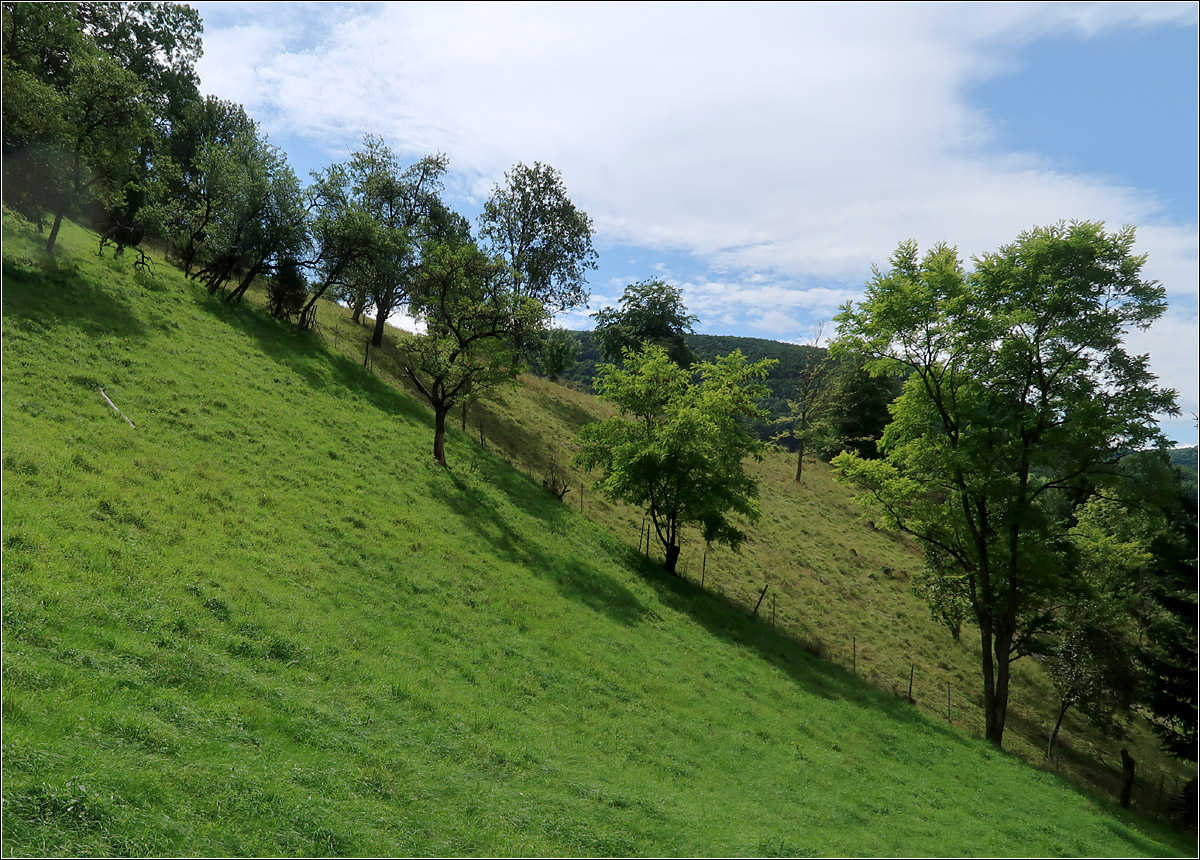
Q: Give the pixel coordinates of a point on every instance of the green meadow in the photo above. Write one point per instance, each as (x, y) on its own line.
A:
(263, 621)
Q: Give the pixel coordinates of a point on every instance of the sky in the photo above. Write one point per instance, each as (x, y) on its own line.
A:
(762, 157)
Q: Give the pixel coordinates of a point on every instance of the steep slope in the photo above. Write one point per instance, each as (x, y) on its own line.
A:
(263, 621)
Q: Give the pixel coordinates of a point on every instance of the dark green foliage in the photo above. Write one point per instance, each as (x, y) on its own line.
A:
(558, 352)
(90, 91)
(287, 291)
(545, 241)
(1170, 656)
(651, 312)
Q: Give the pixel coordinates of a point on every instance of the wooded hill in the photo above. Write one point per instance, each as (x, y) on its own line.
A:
(257, 618)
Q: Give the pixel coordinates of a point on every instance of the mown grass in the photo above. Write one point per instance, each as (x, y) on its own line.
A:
(265, 622)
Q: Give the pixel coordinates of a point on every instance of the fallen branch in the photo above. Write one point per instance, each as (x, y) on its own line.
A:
(114, 407)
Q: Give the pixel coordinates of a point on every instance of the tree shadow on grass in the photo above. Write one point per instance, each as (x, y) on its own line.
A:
(732, 623)
(305, 355)
(574, 578)
(58, 295)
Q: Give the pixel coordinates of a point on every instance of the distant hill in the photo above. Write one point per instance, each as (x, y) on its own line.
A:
(1186, 458)
(862, 420)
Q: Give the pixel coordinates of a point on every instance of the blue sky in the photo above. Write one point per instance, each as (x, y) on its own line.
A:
(763, 156)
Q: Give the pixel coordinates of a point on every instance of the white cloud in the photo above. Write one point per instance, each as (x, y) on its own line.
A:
(785, 147)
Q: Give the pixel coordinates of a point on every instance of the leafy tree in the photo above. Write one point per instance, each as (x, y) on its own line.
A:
(406, 206)
(341, 230)
(1018, 389)
(254, 208)
(544, 240)
(195, 178)
(1168, 656)
(158, 42)
(558, 352)
(677, 447)
(74, 119)
(465, 302)
(808, 420)
(651, 311)
(1091, 665)
(85, 85)
(286, 291)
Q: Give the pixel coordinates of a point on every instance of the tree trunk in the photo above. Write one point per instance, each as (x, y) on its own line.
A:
(58, 218)
(1128, 766)
(237, 294)
(380, 322)
(439, 434)
(800, 461)
(672, 558)
(996, 666)
(1062, 712)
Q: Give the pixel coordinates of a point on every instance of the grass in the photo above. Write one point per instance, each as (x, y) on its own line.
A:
(265, 622)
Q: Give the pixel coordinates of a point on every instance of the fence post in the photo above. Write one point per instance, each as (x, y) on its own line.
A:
(760, 598)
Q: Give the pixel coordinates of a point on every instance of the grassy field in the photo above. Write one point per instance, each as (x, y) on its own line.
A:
(265, 622)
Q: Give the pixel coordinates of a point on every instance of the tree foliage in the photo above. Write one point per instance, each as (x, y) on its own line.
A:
(557, 353)
(469, 313)
(544, 240)
(1018, 389)
(677, 447)
(651, 312)
(809, 419)
(90, 92)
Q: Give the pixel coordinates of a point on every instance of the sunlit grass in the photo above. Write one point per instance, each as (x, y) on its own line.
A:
(265, 622)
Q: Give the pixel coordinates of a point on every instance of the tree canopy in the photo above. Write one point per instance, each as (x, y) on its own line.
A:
(1018, 389)
(544, 240)
(651, 311)
(677, 447)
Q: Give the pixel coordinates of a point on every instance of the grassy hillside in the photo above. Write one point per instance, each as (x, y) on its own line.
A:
(264, 622)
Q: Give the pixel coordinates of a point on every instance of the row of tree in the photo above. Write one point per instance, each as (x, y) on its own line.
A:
(103, 121)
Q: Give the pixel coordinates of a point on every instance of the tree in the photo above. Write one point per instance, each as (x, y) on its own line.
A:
(405, 205)
(1018, 390)
(809, 416)
(1169, 619)
(461, 296)
(558, 352)
(544, 240)
(85, 86)
(677, 447)
(652, 311)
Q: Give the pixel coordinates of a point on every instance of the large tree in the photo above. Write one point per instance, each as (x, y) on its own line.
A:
(1018, 390)
(678, 445)
(544, 240)
(466, 306)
